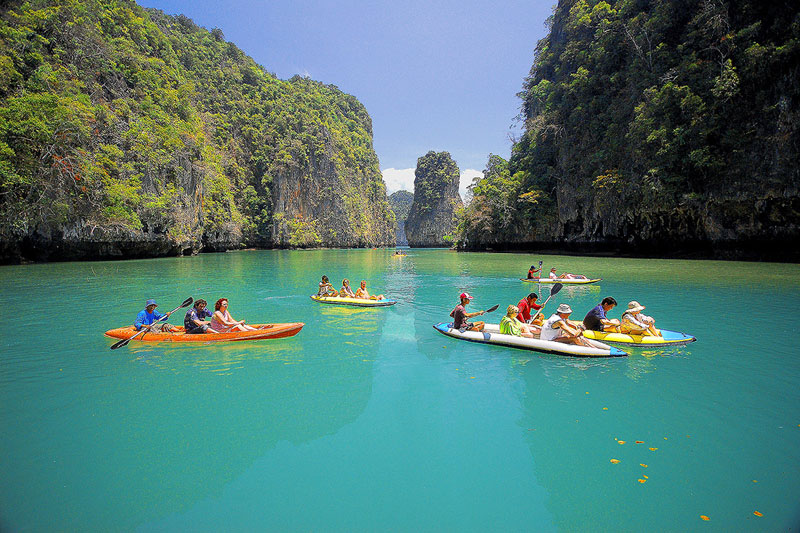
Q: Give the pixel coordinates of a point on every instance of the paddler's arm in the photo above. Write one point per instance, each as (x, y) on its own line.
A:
(476, 313)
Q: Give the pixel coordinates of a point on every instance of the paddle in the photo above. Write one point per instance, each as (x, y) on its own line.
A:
(492, 308)
(553, 292)
(187, 302)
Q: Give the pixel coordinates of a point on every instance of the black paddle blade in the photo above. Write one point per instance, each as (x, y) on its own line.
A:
(120, 344)
(492, 308)
(556, 288)
(188, 301)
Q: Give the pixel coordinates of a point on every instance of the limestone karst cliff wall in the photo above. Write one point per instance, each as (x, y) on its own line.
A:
(125, 132)
(431, 220)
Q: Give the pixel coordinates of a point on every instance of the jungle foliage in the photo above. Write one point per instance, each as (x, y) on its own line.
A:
(112, 115)
(643, 106)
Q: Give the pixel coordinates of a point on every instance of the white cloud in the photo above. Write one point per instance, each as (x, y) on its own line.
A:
(398, 179)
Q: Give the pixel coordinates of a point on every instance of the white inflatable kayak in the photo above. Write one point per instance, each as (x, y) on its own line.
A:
(491, 335)
(357, 302)
(562, 281)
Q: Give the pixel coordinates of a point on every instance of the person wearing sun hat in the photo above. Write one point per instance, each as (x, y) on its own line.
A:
(149, 318)
(635, 323)
(533, 272)
(559, 329)
(460, 316)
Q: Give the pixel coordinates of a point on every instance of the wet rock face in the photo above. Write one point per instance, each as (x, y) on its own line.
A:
(431, 220)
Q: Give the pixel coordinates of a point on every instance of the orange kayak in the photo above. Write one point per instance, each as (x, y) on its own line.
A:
(264, 331)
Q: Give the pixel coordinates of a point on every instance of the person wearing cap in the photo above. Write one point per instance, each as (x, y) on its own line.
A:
(635, 323)
(150, 319)
(533, 272)
(525, 305)
(596, 319)
(510, 325)
(460, 316)
(558, 328)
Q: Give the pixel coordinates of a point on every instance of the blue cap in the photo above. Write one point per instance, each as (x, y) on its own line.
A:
(150, 302)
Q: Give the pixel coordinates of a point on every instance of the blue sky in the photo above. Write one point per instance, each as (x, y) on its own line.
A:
(433, 75)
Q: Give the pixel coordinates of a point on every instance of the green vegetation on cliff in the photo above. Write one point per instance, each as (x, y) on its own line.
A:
(120, 125)
(400, 202)
(654, 123)
(432, 217)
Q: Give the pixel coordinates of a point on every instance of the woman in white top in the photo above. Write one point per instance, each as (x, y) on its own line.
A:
(222, 320)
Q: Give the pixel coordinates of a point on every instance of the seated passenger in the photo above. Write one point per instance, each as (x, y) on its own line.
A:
(565, 275)
(346, 291)
(559, 329)
(533, 272)
(509, 325)
(525, 305)
(193, 322)
(635, 323)
(150, 319)
(223, 322)
(596, 319)
(460, 316)
(362, 292)
(325, 288)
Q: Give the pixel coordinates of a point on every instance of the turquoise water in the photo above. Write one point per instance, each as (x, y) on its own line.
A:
(371, 420)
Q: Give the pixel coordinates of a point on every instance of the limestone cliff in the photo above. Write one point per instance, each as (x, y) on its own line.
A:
(125, 132)
(431, 220)
(654, 128)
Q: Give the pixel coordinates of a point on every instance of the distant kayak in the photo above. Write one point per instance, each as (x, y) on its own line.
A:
(357, 302)
(563, 281)
(399, 255)
(667, 338)
(491, 335)
(264, 331)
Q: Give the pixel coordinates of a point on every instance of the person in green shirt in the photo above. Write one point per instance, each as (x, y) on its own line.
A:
(509, 325)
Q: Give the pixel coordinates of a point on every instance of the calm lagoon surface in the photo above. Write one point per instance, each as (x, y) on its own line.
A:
(371, 420)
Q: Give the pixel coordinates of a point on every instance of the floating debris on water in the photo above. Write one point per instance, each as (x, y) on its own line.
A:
(757, 513)
(653, 449)
(641, 480)
(614, 461)
(704, 517)
(621, 441)
(643, 465)
(639, 442)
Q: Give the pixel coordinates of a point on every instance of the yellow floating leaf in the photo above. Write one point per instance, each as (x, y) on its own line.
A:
(645, 477)
(757, 513)
(641, 480)
(639, 442)
(472, 377)
(587, 392)
(653, 449)
(643, 465)
(605, 408)
(615, 461)
(621, 441)
(704, 517)
(754, 481)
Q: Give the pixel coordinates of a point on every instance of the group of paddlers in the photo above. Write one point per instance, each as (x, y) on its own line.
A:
(535, 273)
(326, 289)
(558, 327)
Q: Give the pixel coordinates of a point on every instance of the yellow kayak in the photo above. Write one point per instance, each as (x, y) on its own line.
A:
(667, 338)
(357, 302)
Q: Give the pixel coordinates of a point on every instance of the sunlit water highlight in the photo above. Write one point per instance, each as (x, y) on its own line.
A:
(371, 420)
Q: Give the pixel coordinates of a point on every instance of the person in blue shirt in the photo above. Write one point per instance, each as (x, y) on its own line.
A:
(149, 318)
(596, 319)
(193, 322)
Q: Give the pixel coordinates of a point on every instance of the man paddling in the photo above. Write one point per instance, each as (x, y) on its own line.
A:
(150, 319)
(559, 328)
(460, 316)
